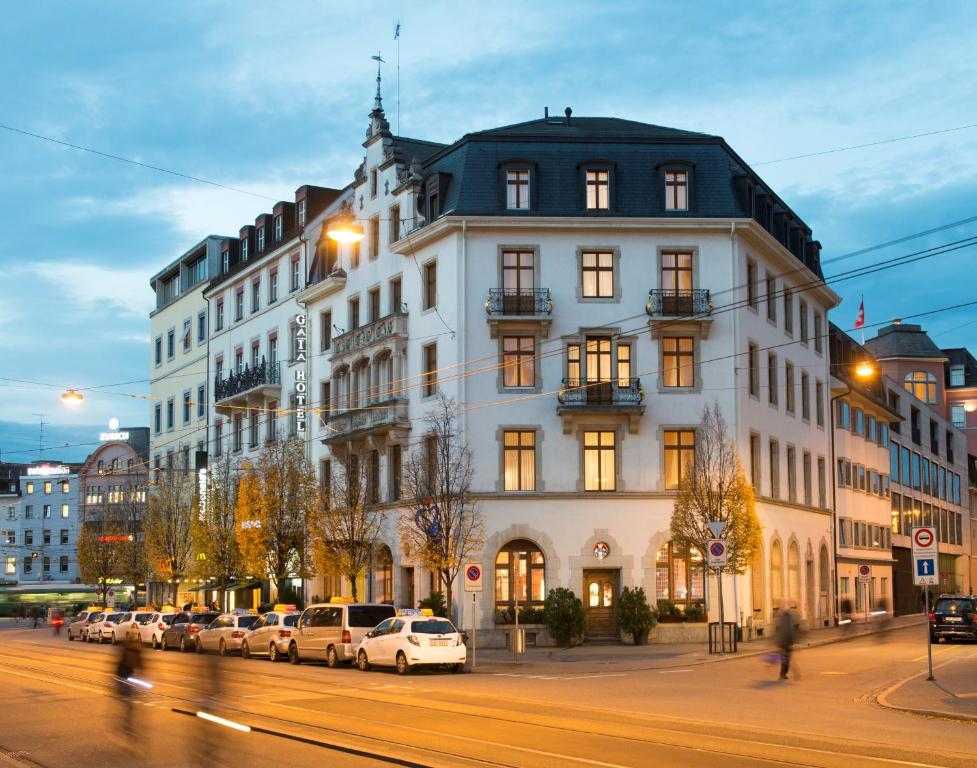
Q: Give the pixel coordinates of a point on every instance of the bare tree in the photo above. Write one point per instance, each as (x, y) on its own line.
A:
(447, 527)
(169, 525)
(348, 530)
(281, 510)
(215, 526)
(715, 488)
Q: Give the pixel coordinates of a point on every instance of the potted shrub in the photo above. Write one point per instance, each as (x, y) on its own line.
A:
(636, 616)
(695, 612)
(668, 612)
(434, 602)
(564, 616)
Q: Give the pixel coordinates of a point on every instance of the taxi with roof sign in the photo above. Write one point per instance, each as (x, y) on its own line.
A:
(271, 633)
(411, 639)
(225, 633)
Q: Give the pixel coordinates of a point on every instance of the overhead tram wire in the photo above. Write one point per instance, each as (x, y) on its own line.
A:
(854, 273)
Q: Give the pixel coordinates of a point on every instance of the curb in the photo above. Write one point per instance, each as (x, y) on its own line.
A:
(882, 699)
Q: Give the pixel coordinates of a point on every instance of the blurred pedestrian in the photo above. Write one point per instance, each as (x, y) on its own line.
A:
(128, 667)
(786, 636)
(35, 615)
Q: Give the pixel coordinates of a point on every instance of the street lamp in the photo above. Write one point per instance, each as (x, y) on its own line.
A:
(865, 370)
(345, 230)
(72, 397)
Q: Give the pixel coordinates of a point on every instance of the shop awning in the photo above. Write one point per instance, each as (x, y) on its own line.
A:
(249, 585)
(202, 587)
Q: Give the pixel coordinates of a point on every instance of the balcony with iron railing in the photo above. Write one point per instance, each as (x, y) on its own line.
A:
(518, 307)
(682, 309)
(389, 327)
(618, 396)
(371, 420)
(251, 384)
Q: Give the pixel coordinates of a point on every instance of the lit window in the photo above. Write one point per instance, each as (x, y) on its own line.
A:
(518, 361)
(679, 456)
(519, 578)
(599, 461)
(597, 190)
(679, 574)
(517, 190)
(519, 460)
(678, 362)
(922, 384)
(597, 274)
(676, 191)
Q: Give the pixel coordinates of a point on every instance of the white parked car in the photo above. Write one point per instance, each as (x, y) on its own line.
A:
(128, 622)
(151, 632)
(270, 635)
(101, 631)
(225, 633)
(78, 625)
(412, 640)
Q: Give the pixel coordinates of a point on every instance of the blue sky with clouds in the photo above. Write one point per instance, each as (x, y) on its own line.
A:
(267, 97)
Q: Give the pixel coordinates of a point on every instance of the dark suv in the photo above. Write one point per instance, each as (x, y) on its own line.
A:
(954, 616)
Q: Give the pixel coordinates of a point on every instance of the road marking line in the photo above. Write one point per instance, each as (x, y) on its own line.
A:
(940, 652)
(833, 673)
(672, 671)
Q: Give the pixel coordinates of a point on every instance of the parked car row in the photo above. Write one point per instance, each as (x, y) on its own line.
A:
(338, 632)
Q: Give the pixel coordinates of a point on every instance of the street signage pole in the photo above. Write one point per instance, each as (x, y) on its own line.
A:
(718, 558)
(473, 584)
(865, 578)
(924, 575)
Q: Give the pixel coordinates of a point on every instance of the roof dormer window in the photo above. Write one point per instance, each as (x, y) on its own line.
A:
(225, 262)
(302, 212)
(517, 189)
(244, 249)
(261, 239)
(676, 190)
(598, 190)
(279, 227)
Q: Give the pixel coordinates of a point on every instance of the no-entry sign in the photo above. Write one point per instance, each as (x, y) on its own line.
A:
(924, 557)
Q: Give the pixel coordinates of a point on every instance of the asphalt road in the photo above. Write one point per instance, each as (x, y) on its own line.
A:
(59, 710)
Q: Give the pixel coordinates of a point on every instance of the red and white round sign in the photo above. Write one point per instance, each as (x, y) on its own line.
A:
(923, 537)
(864, 570)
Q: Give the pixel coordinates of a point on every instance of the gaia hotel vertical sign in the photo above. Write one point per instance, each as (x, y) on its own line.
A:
(301, 385)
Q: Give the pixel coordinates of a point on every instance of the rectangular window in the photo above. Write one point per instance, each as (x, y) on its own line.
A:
(201, 327)
(789, 385)
(279, 227)
(64, 536)
(354, 255)
(751, 285)
(239, 304)
(788, 311)
(218, 438)
(676, 191)
(818, 333)
(917, 480)
(791, 473)
(598, 185)
(396, 300)
(678, 361)
(253, 429)
(805, 397)
(802, 306)
(624, 369)
(819, 402)
(63, 563)
(958, 416)
(771, 298)
(219, 320)
(302, 212)
(393, 230)
(158, 357)
(186, 407)
(430, 370)
(374, 240)
(170, 344)
(430, 296)
(296, 273)
(158, 418)
(518, 361)
(255, 296)
(753, 362)
(201, 401)
(373, 296)
(517, 189)
(598, 358)
(755, 461)
(238, 432)
(599, 461)
(822, 483)
(597, 274)
(808, 479)
(679, 456)
(244, 249)
(354, 313)
(325, 331)
(273, 286)
(261, 239)
(169, 413)
(573, 365)
(773, 385)
(395, 471)
(676, 276)
(373, 478)
(519, 460)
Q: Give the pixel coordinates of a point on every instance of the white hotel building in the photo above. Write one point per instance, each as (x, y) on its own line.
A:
(505, 270)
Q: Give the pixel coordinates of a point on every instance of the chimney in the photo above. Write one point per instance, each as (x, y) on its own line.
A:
(568, 112)
(546, 112)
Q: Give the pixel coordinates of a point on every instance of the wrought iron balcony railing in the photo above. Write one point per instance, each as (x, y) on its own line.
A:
(374, 332)
(380, 415)
(519, 301)
(620, 392)
(671, 302)
(263, 374)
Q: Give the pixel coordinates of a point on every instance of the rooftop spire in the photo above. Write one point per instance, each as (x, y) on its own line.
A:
(378, 120)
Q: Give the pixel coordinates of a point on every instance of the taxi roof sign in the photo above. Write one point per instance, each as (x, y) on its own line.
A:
(340, 600)
(284, 607)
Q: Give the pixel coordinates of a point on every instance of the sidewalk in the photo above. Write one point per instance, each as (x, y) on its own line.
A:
(952, 694)
(596, 658)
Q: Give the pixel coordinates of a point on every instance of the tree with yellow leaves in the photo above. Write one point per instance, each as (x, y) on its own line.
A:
(215, 530)
(714, 488)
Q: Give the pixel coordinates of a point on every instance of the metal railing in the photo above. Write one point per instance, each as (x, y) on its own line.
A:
(519, 301)
(394, 324)
(672, 302)
(382, 414)
(261, 375)
(620, 392)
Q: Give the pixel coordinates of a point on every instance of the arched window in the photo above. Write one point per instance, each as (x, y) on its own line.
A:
(383, 575)
(922, 384)
(757, 586)
(776, 574)
(519, 575)
(825, 578)
(794, 575)
(679, 574)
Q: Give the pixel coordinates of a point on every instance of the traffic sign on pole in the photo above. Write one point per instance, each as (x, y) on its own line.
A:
(924, 541)
(473, 577)
(924, 572)
(864, 574)
(924, 557)
(717, 553)
(717, 528)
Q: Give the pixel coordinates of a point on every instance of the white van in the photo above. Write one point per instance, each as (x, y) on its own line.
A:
(332, 631)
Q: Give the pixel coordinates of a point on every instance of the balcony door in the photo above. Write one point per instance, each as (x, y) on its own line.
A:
(676, 283)
(598, 368)
(518, 282)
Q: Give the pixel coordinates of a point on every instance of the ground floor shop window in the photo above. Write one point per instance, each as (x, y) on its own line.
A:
(679, 574)
(519, 577)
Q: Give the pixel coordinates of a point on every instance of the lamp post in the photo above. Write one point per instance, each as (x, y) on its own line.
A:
(865, 371)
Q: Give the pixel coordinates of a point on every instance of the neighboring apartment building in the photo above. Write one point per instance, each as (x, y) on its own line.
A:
(960, 376)
(928, 461)
(178, 357)
(585, 287)
(861, 423)
(40, 531)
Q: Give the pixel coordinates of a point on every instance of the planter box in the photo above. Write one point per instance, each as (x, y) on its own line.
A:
(688, 632)
(499, 636)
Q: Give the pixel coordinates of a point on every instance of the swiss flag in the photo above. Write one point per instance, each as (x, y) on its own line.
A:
(860, 320)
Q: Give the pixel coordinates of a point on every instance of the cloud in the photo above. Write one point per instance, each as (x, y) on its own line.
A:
(91, 288)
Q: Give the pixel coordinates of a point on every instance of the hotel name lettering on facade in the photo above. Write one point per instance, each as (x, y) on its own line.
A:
(301, 385)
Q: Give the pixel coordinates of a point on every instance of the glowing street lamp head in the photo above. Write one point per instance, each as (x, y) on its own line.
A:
(72, 397)
(865, 370)
(345, 231)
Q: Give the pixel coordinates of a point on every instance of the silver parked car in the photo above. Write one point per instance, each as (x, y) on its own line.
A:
(332, 631)
(225, 633)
